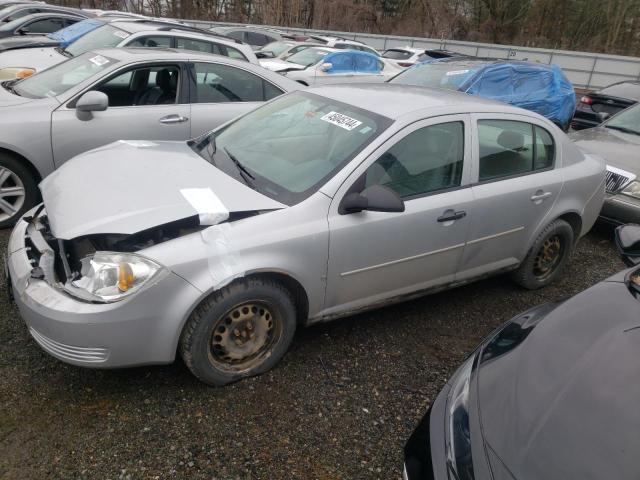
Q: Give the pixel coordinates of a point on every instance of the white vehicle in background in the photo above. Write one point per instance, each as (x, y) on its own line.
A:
(283, 49)
(408, 56)
(343, 44)
(320, 65)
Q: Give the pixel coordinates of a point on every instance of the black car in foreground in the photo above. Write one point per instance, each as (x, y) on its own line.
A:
(594, 108)
(552, 394)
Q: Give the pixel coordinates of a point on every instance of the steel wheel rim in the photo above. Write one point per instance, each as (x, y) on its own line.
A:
(548, 257)
(12, 194)
(242, 338)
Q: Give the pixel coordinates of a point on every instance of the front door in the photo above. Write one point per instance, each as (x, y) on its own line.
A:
(145, 103)
(374, 256)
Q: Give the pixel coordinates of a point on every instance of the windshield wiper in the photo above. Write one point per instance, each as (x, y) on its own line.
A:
(62, 51)
(244, 173)
(623, 129)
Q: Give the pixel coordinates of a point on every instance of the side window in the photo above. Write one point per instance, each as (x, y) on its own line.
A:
(47, 25)
(153, 85)
(511, 148)
(228, 52)
(367, 64)
(151, 41)
(427, 160)
(341, 62)
(194, 45)
(237, 35)
(221, 83)
(258, 39)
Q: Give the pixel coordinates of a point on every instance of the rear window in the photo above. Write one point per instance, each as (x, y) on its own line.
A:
(397, 54)
(623, 90)
(439, 75)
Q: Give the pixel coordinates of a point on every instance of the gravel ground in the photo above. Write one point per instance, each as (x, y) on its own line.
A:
(339, 406)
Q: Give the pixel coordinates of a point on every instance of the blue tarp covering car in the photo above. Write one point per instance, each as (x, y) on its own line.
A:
(68, 35)
(541, 88)
(352, 61)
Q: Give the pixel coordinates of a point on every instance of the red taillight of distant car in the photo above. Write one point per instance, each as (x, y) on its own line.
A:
(586, 100)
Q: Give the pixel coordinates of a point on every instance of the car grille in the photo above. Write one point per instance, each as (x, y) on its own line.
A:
(616, 181)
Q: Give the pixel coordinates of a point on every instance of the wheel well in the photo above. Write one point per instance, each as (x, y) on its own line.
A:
(297, 290)
(575, 221)
(32, 169)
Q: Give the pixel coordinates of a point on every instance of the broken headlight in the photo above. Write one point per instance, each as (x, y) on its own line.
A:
(111, 276)
(633, 190)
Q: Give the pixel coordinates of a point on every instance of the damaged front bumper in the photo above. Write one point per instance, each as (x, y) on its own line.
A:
(138, 330)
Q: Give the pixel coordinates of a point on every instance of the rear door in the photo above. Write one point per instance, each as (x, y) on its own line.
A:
(517, 181)
(146, 102)
(220, 93)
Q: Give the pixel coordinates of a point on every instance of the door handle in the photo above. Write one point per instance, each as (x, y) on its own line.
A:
(539, 196)
(171, 119)
(446, 217)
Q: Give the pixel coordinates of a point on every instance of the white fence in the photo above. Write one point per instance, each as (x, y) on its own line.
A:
(584, 70)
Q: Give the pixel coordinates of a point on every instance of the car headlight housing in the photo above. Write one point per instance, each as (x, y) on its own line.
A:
(632, 190)
(11, 73)
(107, 277)
(458, 435)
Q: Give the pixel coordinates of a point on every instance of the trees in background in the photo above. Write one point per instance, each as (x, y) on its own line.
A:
(609, 26)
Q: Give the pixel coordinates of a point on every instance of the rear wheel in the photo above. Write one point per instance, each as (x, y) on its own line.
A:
(547, 256)
(240, 331)
(18, 190)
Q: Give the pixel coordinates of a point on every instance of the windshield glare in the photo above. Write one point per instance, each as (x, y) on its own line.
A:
(294, 144)
(628, 119)
(438, 75)
(62, 77)
(308, 57)
(102, 37)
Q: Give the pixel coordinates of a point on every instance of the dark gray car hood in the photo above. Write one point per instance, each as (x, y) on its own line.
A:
(564, 402)
(619, 149)
(129, 186)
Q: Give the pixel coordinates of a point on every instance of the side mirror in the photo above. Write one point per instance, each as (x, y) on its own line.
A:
(325, 67)
(265, 54)
(628, 243)
(92, 101)
(376, 198)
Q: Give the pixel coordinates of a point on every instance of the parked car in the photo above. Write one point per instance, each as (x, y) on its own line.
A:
(38, 24)
(283, 49)
(255, 36)
(543, 89)
(16, 11)
(409, 56)
(551, 394)
(124, 33)
(107, 95)
(321, 65)
(596, 107)
(618, 141)
(343, 44)
(151, 247)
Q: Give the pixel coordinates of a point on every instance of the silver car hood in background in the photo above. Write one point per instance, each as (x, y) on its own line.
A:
(129, 186)
(619, 149)
(278, 65)
(37, 58)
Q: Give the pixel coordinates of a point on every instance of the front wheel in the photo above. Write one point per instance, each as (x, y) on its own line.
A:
(240, 331)
(547, 257)
(18, 190)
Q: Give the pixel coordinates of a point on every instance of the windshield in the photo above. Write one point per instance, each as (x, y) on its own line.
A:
(290, 147)
(308, 56)
(62, 77)
(102, 37)
(76, 30)
(276, 48)
(627, 121)
(439, 75)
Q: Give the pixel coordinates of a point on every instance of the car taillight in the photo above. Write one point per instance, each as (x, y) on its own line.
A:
(586, 100)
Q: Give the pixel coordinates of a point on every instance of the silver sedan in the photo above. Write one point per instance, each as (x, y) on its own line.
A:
(320, 204)
(107, 95)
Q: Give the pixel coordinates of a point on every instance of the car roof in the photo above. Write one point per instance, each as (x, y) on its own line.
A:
(136, 25)
(33, 16)
(124, 54)
(393, 100)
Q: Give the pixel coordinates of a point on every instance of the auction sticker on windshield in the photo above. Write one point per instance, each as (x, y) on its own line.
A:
(456, 72)
(341, 120)
(99, 60)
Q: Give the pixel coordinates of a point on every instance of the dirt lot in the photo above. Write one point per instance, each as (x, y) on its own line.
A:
(340, 405)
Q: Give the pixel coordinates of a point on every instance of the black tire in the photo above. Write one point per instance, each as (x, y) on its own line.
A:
(531, 274)
(207, 359)
(19, 173)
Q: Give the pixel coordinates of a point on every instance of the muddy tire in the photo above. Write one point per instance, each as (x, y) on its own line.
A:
(240, 331)
(18, 190)
(547, 257)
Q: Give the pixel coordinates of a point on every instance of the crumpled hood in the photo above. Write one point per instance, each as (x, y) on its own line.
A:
(564, 402)
(278, 65)
(619, 149)
(129, 186)
(37, 58)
